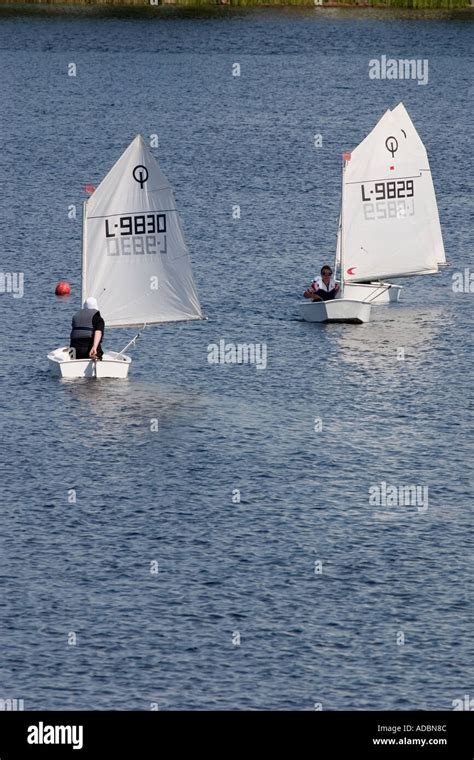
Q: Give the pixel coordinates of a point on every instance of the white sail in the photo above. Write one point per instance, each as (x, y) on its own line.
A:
(387, 209)
(408, 131)
(135, 259)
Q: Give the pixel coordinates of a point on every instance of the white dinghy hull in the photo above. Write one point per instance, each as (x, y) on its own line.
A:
(376, 293)
(337, 310)
(112, 364)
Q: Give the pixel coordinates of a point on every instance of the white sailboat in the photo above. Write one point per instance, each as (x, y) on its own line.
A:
(393, 220)
(134, 259)
(342, 308)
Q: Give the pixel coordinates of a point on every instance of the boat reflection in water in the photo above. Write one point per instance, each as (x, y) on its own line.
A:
(397, 337)
(394, 370)
(116, 410)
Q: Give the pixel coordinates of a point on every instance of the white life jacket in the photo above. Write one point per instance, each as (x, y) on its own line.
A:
(319, 284)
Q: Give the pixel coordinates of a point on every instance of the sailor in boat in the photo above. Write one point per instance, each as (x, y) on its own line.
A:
(88, 331)
(323, 288)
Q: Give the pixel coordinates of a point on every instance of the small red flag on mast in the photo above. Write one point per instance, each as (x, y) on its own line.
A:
(346, 156)
(89, 188)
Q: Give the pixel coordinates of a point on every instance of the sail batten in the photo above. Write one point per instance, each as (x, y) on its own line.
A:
(143, 323)
(135, 258)
(105, 216)
(382, 179)
(394, 275)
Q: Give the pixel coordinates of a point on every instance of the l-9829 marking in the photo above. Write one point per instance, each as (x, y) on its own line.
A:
(399, 188)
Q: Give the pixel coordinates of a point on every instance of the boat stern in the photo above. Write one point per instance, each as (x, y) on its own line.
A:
(112, 365)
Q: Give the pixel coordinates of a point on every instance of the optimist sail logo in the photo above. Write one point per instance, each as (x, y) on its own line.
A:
(41, 734)
(140, 175)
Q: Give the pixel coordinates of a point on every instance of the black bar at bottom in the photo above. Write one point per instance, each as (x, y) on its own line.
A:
(82, 734)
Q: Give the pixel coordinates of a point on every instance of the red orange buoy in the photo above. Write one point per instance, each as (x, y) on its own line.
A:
(63, 289)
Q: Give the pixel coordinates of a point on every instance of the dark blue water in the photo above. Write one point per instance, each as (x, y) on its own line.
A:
(224, 567)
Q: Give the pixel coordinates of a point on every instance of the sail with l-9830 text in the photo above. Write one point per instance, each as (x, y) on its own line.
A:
(136, 234)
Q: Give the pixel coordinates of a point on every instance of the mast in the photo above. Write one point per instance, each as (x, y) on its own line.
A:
(338, 242)
(84, 244)
(345, 156)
